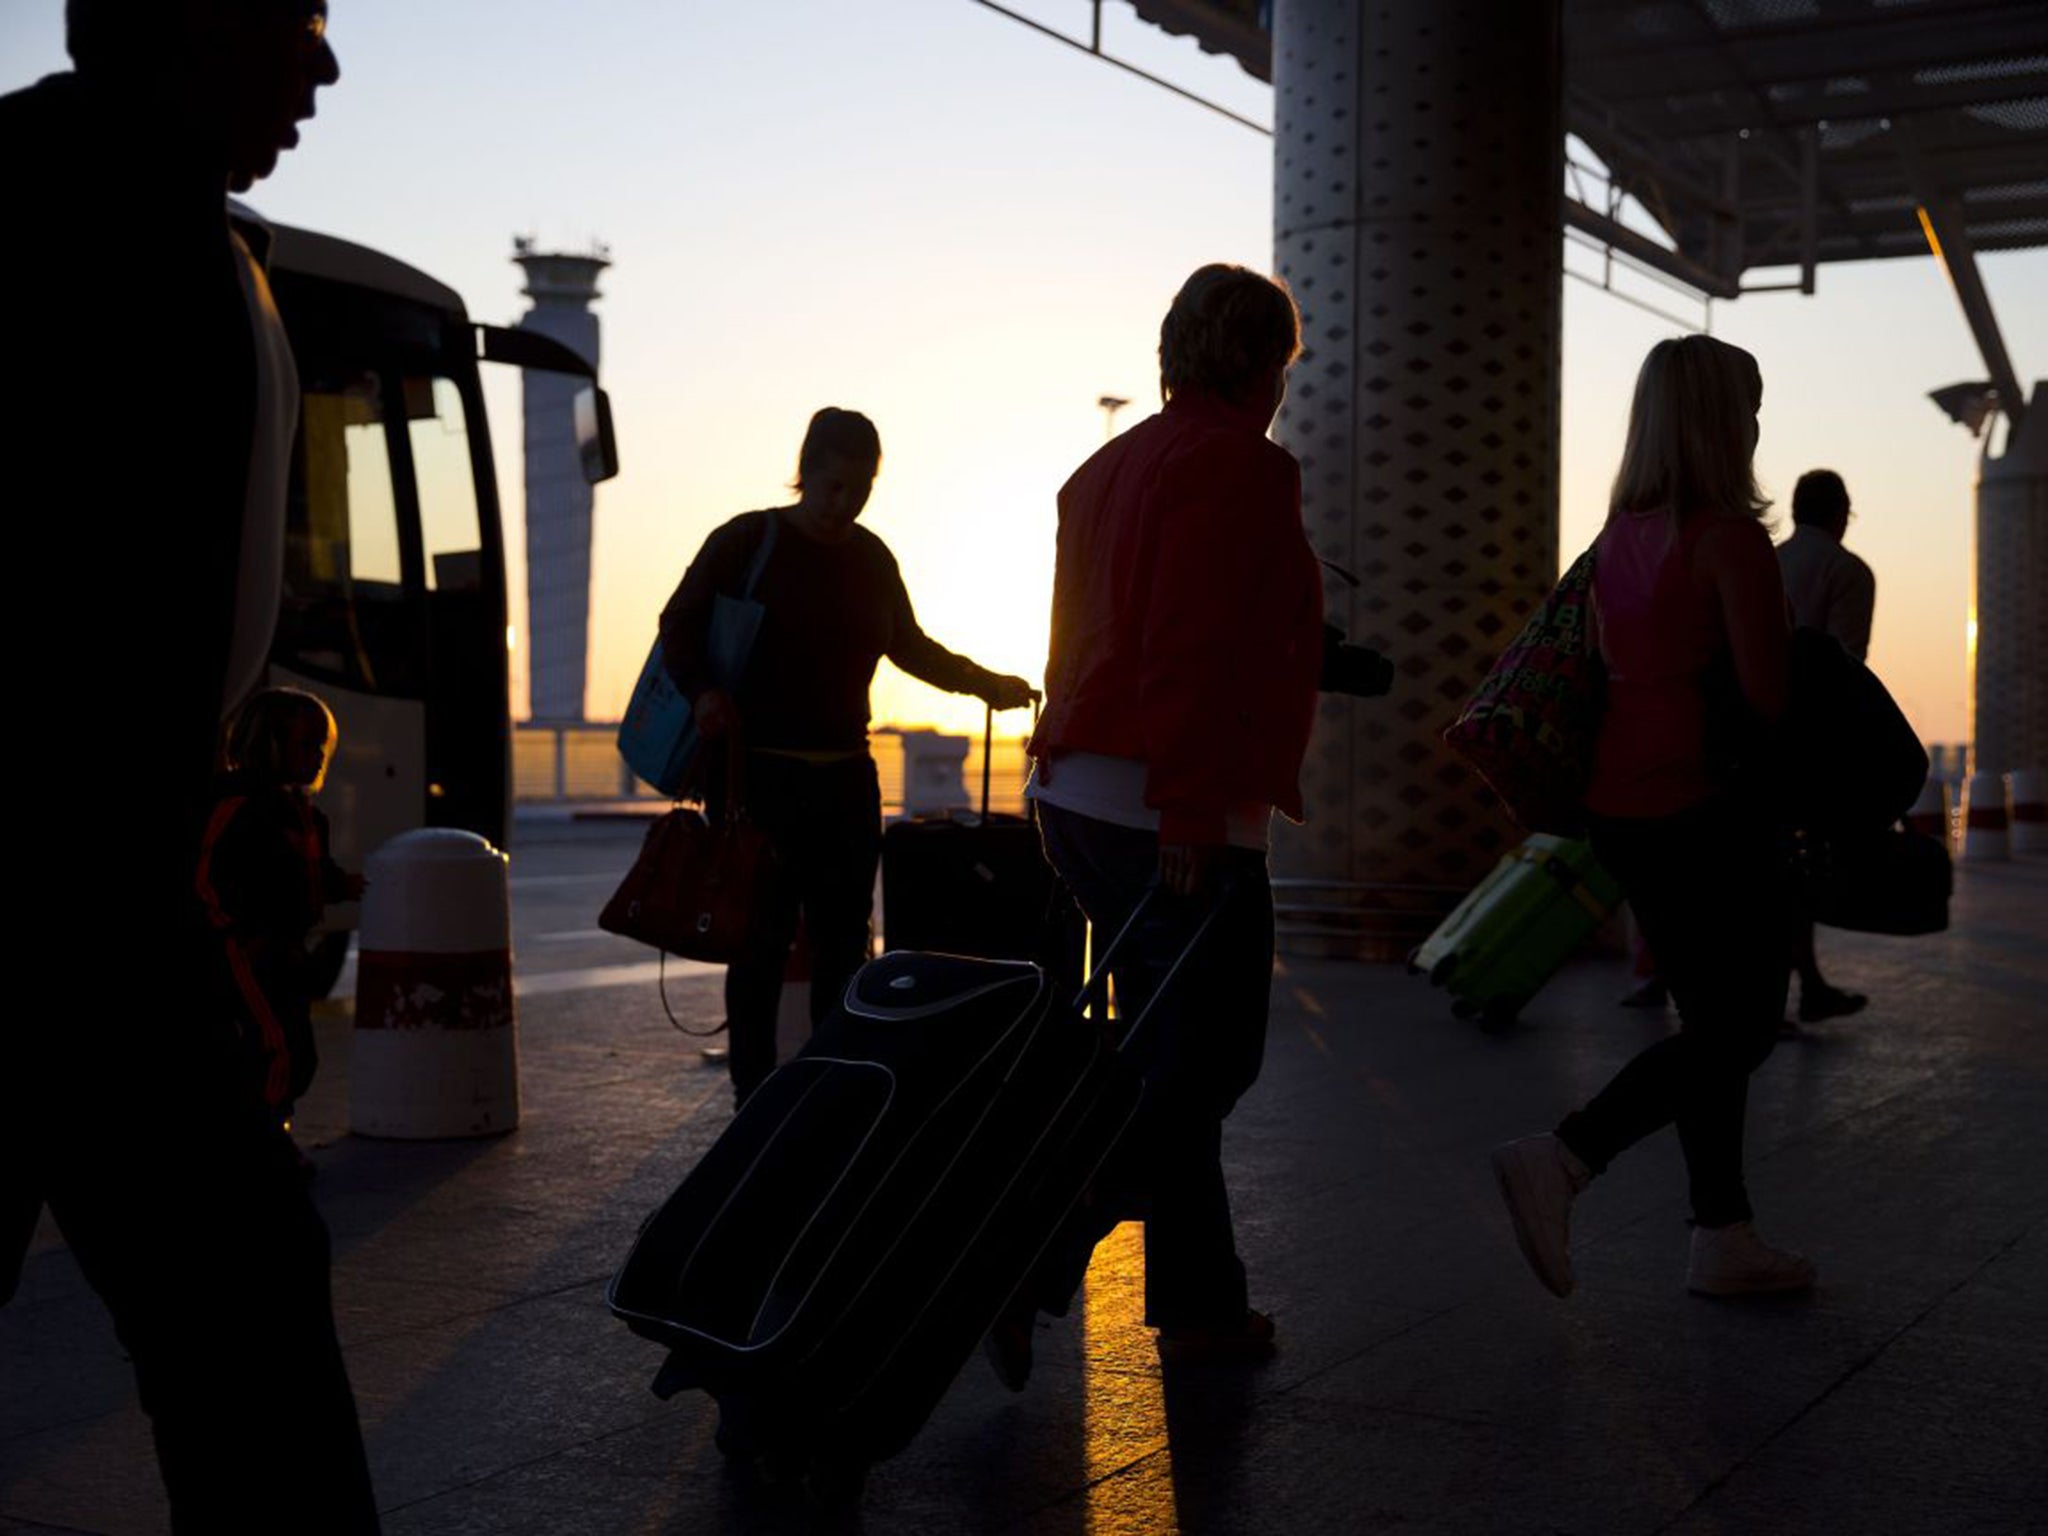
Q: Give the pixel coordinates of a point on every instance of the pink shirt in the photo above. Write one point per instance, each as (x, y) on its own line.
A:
(1659, 634)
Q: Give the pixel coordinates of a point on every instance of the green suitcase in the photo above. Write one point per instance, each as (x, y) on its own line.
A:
(1517, 927)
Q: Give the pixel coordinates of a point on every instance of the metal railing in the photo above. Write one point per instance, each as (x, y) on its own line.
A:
(580, 765)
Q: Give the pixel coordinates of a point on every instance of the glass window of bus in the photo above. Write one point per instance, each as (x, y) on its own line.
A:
(344, 605)
(450, 530)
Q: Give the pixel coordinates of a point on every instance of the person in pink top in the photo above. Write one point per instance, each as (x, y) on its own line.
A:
(1695, 636)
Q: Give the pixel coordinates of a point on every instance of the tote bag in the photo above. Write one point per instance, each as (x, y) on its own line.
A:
(1530, 726)
(658, 738)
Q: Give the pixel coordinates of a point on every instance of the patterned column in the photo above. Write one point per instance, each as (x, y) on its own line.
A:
(558, 498)
(1418, 172)
(2009, 659)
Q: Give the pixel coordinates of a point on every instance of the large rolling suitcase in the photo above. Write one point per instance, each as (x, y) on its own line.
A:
(1517, 927)
(841, 1250)
(968, 884)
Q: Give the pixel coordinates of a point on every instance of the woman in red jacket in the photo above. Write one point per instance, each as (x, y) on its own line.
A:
(1180, 687)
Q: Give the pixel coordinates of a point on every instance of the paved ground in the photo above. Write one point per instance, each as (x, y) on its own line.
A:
(1425, 1383)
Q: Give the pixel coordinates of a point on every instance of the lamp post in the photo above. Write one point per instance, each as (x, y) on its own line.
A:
(1110, 406)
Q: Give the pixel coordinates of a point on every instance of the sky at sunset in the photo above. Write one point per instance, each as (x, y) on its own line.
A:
(921, 210)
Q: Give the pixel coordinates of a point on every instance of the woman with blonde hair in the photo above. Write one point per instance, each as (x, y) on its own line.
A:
(1692, 622)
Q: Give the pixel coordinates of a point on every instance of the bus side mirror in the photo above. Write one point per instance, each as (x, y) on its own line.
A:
(594, 441)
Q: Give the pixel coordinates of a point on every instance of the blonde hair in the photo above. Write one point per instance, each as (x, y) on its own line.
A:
(1692, 432)
(1228, 325)
(256, 736)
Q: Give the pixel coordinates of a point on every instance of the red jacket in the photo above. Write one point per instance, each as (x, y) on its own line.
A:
(1187, 617)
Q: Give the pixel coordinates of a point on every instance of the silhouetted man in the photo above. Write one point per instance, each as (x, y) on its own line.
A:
(145, 465)
(1833, 591)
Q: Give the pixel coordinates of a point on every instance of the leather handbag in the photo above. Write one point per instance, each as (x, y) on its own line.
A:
(698, 887)
(1530, 727)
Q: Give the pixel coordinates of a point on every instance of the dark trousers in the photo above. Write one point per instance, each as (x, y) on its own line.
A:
(825, 820)
(1711, 894)
(1198, 1053)
(183, 1205)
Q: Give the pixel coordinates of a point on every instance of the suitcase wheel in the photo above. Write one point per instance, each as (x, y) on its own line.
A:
(833, 1484)
(1498, 1014)
(1441, 971)
(1494, 1015)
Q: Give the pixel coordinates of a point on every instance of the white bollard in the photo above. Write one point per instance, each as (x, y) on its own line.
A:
(1931, 815)
(1984, 819)
(435, 1052)
(2029, 793)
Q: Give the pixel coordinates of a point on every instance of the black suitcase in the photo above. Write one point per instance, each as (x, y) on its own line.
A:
(968, 884)
(838, 1254)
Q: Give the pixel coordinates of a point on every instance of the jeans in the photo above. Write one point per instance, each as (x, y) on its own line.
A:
(825, 821)
(1711, 893)
(1198, 1053)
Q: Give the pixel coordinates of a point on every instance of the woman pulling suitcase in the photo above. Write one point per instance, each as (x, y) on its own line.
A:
(1187, 644)
(835, 605)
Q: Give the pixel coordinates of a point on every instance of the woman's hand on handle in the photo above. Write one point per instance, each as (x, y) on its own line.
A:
(1184, 868)
(1007, 692)
(716, 713)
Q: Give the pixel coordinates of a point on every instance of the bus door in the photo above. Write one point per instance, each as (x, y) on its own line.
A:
(349, 627)
(460, 583)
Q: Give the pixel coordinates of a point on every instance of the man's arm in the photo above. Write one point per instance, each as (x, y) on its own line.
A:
(1852, 599)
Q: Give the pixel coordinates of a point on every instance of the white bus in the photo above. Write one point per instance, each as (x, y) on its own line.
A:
(394, 606)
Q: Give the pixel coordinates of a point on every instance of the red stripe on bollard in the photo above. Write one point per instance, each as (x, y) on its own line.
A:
(396, 989)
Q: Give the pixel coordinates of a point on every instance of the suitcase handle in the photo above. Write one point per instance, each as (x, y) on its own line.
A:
(988, 745)
(1225, 889)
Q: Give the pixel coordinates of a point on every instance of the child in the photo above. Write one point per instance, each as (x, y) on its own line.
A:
(265, 876)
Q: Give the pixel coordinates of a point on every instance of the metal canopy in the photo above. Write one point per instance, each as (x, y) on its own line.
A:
(1781, 133)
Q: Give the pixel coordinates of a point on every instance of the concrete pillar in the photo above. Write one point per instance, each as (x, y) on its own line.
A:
(558, 498)
(1418, 171)
(2009, 652)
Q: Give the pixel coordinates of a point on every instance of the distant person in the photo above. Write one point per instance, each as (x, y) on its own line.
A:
(835, 606)
(146, 464)
(1833, 591)
(1685, 585)
(265, 877)
(1828, 586)
(1186, 647)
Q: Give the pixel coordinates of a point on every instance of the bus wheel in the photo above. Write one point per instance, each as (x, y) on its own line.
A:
(324, 961)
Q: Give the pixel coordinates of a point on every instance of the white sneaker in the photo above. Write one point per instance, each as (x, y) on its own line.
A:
(1539, 1176)
(1734, 1261)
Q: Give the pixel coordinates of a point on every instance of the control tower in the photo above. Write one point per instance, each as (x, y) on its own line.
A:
(558, 497)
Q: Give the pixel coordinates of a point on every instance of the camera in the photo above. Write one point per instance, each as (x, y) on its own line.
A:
(1354, 669)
